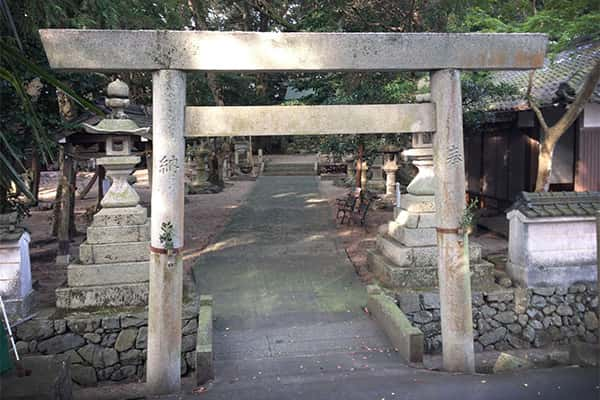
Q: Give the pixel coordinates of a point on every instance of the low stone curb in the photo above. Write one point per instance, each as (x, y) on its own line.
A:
(405, 338)
(204, 351)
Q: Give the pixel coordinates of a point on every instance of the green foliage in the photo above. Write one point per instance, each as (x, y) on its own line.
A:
(166, 235)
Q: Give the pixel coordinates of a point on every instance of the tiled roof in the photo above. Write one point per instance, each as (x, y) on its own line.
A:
(557, 204)
(568, 68)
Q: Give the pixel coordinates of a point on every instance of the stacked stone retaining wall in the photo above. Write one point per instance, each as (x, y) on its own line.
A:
(514, 318)
(102, 348)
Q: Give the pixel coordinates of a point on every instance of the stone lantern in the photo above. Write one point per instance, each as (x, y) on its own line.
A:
(112, 270)
(390, 166)
(200, 182)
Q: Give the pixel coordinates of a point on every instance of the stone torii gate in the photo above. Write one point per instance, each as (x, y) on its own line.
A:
(169, 54)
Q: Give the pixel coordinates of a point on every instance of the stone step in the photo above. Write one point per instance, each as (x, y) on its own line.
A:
(288, 169)
(121, 216)
(102, 296)
(392, 276)
(114, 252)
(107, 274)
(118, 234)
(417, 256)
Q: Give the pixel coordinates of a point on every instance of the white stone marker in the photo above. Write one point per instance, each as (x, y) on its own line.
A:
(453, 264)
(166, 286)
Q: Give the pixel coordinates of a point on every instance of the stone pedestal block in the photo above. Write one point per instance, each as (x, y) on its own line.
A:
(15, 274)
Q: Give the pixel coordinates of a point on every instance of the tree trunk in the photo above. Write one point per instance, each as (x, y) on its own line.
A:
(59, 191)
(64, 214)
(552, 134)
(542, 183)
(35, 174)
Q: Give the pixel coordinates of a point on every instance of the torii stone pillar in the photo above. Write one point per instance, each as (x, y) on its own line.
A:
(166, 263)
(453, 263)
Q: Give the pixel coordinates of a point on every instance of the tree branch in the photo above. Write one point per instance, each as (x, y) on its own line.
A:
(265, 8)
(578, 104)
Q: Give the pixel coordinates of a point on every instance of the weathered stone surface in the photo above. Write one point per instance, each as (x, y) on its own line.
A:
(535, 324)
(430, 300)
(92, 337)
(117, 234)
(493, 336)
(538, 301)
(591, 320)
(38, 329)
(188, 343)
(191, 327)
(306, 120)
(109, 340)
(123, 373)
(506, 317)
(81, 326)
(126, 339)
(123, 295)
(110, 323)
(529, 333)
(548, 310)
(523, 318)
(142, 339)
(500, 295)
(118, 216)
(422, 317)
(60, 326)
(564, 310)
(544, 291)
(487, 311)
(507, 362)
(133, 321)
(189, 50)
(74, 357)
(98, 356)
(83, 375)
(107, 274)
(131, 357)
(113, 253)
(61, 343)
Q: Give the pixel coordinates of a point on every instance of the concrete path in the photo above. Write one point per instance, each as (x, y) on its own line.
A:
(284, 293)
(289, 319)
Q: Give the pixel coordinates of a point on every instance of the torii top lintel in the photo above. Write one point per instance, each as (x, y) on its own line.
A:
(139, 50)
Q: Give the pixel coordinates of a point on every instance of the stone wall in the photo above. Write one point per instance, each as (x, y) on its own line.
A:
(514, 318)
(102, 347)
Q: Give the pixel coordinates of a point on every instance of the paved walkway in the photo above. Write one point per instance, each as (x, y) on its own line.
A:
(289, 320)
(284, 293)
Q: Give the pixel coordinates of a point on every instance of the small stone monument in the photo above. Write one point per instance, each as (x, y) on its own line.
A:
(15, 268)
(390, 166)
(406, 251)
(113, 261)
(377, 183)
(200, 181)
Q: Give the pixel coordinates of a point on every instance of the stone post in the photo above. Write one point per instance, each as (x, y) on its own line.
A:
(453, 265)
(164, 309)
(363, 176)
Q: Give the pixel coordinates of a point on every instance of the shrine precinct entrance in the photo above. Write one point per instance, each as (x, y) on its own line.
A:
(169, 54)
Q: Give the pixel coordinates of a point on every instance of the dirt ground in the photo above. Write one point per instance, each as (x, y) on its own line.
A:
(205, 216)
(356, 239)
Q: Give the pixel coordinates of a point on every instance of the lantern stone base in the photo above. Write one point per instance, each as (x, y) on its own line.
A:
(417, 276)
(93, 297)
(113, 265)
